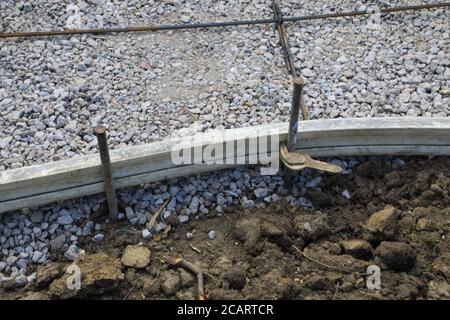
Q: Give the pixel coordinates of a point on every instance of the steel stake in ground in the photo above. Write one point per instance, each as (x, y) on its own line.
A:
(295, 110)
(295, 161)
(293, 124)
(100, 132)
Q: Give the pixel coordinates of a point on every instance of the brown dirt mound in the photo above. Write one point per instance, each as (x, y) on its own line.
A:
(398, 219)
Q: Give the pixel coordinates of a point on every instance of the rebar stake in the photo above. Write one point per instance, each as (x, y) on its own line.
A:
(110, 191)
(295, 111)
(293, 160)
(293, 125)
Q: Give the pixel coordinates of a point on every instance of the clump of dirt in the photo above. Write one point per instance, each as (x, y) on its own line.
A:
(397, 219)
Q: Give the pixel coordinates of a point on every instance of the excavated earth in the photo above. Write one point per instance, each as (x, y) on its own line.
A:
(397, 219)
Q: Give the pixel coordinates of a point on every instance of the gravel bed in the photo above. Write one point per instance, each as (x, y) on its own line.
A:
(396, 66)
(60, 15)
(145, 87)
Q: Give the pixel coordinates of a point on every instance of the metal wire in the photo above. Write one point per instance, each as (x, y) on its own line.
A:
(284, 39)
(288, 57)
(368, 12)
(162, 27)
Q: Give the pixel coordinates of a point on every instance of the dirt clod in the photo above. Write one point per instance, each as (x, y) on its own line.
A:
(248, 230)
(439, 289)
(236, 279)
(357, 248)
(381, 224)
(136, 257)
(441, 265)
(311, 227)
(100, 274)
(171, 283)
(318, 283)
(46, 274)
(270, 286)
(397, 256)
(320, 199)
(36, 296)
(186, 278)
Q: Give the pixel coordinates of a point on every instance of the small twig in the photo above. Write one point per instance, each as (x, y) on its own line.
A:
(226, 217)
(125, 230)
(180, 262)
(318, 262)
(97, 214)
(166, 231)
(401, 190)
(129, 292)
(211, 276)
(335, 291)
(195, 248)
(157, 275)
(152, 221)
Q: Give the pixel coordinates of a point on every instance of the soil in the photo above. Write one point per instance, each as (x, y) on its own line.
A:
(397, 219)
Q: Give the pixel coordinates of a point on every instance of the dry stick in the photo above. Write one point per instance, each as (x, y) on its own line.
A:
(323, 264)
(180, 262)
(318, 262)
(195, 248)
(152, 221)
(335, 291)
(129, 292)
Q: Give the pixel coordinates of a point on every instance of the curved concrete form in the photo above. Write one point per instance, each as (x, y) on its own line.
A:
(82, 176)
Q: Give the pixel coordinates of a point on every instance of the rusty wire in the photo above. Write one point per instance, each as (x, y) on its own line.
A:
(162, 27)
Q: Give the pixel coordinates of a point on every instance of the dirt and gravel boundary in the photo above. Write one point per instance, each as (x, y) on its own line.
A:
(397, 219)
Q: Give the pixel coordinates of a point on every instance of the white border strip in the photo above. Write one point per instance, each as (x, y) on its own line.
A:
(82, 176)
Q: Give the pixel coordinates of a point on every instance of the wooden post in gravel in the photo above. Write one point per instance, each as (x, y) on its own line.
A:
(100, 132)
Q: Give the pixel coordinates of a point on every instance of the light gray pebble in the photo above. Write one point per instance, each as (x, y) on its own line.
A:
(20, 281)
(261, 192)
(71, 253)
(22, 263)
(98, 237)
(346, 194)
(146, 234)
(37, 255)
(58, 242)
(65, 220)
(52, 229)
(183, 218)
(194, 205)
(313, 183)
(37, 217)
(212, 235)
(247, 204)
(166, 214)
(11, 260)
(129, 212)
